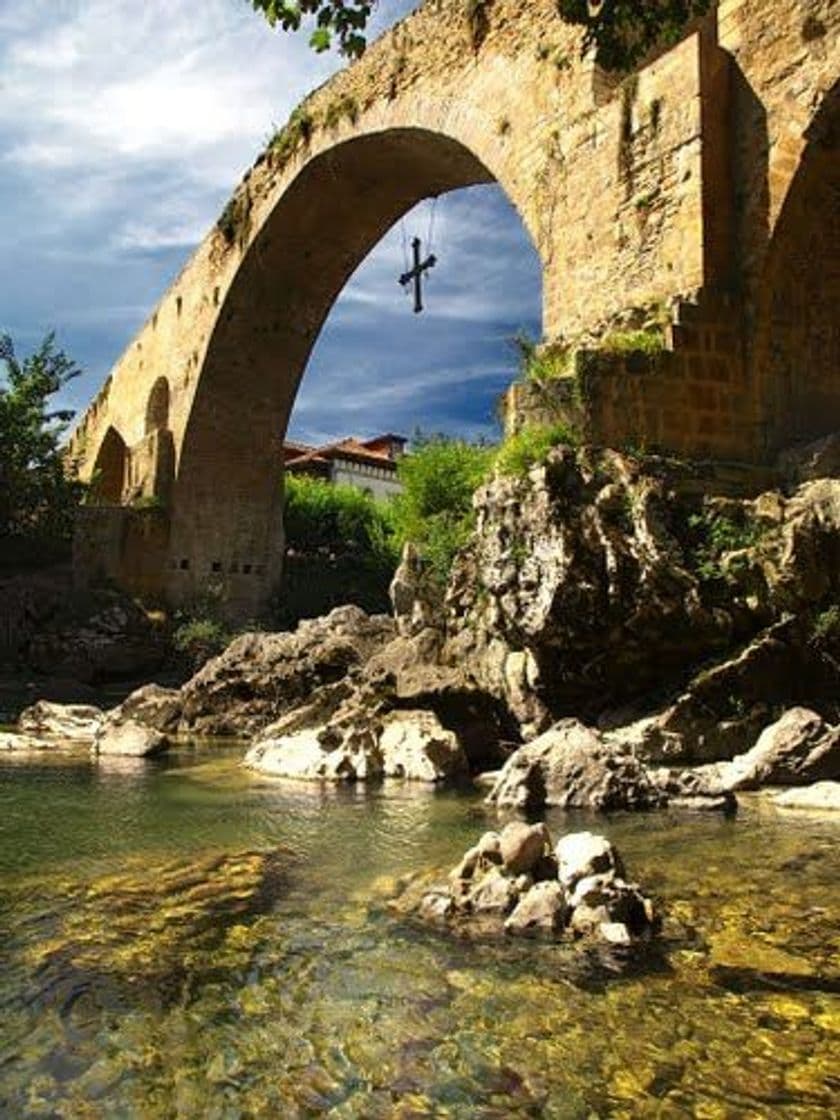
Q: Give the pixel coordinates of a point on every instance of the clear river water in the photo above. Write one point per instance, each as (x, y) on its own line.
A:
(182, 939)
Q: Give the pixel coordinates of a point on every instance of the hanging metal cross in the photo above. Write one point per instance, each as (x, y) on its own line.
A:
(416, 273)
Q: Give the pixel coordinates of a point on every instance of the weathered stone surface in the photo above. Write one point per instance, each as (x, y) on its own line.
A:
(521, 846)
(596, 595)
(14, 741)
(416, 599)
(415, 746)
(795, 750)
(102, 636)
(72, 723)
(152, 705)
(820, 795)
(259, 677)
(580, 894)
(359, 745)
(798, 749)
(571, 767)
(304, 754)
(701, 789)
(129, 739)
(581, 855)
(540, 912)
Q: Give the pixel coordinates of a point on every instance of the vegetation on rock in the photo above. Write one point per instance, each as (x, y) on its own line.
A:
(529, 447)
(38, 494)
(435, 510)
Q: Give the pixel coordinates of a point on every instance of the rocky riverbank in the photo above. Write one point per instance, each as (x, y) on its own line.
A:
(608, 640)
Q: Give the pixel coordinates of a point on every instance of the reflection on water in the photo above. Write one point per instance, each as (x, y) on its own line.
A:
(180, 938)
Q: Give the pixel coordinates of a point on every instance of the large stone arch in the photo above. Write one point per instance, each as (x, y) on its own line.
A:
(632, 192)
(797, 338)
(323, 226)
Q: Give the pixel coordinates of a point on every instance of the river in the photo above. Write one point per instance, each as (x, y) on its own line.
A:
(182, 939)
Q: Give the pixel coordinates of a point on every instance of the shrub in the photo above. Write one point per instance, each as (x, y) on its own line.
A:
(540, 363)
(530, 446)
(321, 516)
(435, 509)
(716, 534)
(200, 638)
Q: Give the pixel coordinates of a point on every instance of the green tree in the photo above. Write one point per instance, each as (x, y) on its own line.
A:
(38, 497)
(435, 509)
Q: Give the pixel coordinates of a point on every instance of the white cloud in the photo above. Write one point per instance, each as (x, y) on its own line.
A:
(123, 128)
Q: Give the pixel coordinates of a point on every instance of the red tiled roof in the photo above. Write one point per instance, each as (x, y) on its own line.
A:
(349, 448)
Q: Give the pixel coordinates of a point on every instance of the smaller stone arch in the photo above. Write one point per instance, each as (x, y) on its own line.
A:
(109, 470)
(157, 407)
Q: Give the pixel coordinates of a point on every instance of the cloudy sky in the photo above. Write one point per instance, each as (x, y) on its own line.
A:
(123, 129)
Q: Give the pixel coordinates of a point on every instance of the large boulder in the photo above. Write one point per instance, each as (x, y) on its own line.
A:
(797, 749)
(571, 766)
(360, 745)
(152, 705)
(69, 723)
(261, 676)
(129, 739)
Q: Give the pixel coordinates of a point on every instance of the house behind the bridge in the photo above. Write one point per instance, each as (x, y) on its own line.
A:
(370, 465)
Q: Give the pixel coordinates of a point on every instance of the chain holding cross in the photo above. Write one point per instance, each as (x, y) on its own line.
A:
(415, 274)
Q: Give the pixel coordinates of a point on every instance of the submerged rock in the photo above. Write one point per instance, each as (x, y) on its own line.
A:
(514, 883)
(14, 741)
(69, 723)
(820, 795)
(571, 766)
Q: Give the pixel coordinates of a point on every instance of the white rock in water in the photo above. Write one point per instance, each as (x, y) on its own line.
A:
(581, 855)
(129, 739)
(820, 795)
(74, 723)
(302, 754)
(416, 746)
(14, 741)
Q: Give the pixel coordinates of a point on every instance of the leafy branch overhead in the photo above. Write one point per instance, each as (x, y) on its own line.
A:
(621, 31)
(341, 21)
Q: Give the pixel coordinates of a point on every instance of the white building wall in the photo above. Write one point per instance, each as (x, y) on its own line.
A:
(379, 482)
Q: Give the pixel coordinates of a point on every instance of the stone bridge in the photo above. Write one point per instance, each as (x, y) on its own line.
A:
(702, 192)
